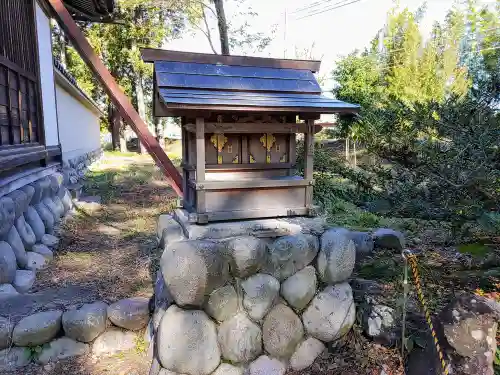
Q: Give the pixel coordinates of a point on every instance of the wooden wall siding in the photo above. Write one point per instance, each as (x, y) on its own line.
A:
(19, 87)
(223, 175)
(285, 128)
(251, 199)
(17, 35)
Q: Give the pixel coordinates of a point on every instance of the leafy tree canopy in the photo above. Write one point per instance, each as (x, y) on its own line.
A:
(430, 111)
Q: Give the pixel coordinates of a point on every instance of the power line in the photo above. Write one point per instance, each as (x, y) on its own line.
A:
(312, 5)
(329, 9)
(319, 10)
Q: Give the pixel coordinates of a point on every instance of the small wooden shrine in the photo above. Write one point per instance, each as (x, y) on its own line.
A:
(240, 117)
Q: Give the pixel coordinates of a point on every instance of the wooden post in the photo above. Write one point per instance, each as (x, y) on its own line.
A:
(355, 155)
(200, 168)
(244, 150)
(309, 163)
(186, 200)
(292, 159)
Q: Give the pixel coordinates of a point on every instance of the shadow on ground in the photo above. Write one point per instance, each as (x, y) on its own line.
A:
(111, 248)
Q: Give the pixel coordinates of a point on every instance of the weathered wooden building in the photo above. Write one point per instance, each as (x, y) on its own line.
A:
(240, 118)
(41, 106)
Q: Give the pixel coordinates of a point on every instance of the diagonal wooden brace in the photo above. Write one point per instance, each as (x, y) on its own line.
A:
(121, 101)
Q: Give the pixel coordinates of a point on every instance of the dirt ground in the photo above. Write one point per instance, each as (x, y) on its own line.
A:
(109, 250)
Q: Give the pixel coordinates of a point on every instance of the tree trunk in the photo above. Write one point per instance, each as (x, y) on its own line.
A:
(123, 141)
(141, 108)
(221, 21)
(347, 149)
(355, 155)
(114, 127)
(156, 122)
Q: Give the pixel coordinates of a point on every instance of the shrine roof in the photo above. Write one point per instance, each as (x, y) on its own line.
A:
(239, 83)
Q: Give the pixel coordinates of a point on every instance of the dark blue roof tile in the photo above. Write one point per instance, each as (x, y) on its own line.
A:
(213, 85)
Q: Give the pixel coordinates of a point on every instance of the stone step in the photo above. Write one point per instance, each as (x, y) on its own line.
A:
(88, 203)
(20, 305)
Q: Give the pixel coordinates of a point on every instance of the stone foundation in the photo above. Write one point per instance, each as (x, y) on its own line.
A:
(52, 335)
(74, 169)
(32, 203)
(254, 297)
(28, 217)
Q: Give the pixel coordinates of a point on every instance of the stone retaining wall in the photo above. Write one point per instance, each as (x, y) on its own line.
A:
(53, 335)
(74, 169)
(254, 297)
(28, 217)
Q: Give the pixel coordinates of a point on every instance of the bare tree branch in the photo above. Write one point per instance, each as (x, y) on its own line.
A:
(207, 7)
(206, 32)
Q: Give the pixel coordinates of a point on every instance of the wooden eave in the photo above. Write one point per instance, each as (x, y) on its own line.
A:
(152, 55)
(87, 10)
(173, 109)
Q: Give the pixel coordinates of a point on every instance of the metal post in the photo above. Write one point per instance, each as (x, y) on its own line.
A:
(405, 297)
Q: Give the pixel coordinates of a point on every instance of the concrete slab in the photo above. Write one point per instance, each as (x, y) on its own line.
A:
(259, 228)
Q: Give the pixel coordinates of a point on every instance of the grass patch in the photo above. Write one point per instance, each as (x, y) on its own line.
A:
(174, 149)
(81, 259)
(343, 213)
(141, 346)
(381, 269)
(119, 154)
(474, 249)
